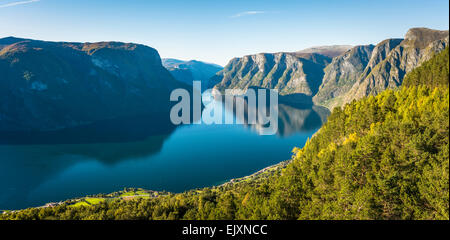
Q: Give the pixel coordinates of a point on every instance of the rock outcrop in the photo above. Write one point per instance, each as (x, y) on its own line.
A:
(341, 74)
(290, 73)
(392, 60)
(369, 70)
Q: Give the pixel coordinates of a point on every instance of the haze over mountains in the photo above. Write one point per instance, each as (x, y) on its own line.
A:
(189, 71)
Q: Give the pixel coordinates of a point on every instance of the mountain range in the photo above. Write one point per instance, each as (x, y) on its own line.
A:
(334, 75)
(57, 85)
(290, 73)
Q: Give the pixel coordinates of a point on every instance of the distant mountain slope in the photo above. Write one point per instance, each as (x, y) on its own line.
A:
(188, 71)
(290, 73)
(298, 72)
(384, 67)
(345, 70)
(54, 85)
(329, 51)
(8, 41)
(334, 75)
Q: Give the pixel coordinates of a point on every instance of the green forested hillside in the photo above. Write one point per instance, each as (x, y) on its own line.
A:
(383, 157)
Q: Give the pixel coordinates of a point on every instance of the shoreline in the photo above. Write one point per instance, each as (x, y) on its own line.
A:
(144, 193)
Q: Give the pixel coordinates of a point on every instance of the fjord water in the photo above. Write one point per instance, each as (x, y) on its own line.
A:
(146, 152)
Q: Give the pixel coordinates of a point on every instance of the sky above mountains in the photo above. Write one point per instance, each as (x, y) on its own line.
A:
(216, 31)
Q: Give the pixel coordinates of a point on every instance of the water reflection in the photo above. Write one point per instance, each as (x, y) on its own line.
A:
(293, 116)
(144, 151)
(293, 120)
(28, 159)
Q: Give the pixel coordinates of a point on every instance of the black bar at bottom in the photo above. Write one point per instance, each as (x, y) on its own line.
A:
(232, 230)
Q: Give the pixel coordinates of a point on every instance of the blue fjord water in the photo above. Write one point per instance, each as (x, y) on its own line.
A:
(146, 152)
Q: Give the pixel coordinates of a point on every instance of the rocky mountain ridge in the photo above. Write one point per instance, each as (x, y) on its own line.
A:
(419, 45)
(334, 75)
(290, 73)
(55, 85)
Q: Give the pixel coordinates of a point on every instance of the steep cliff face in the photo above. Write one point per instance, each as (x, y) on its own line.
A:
(368, 70)
(290, 73)
(352, 73)
(342, 74)
(379, 53)
(49, 85)
(392, 60)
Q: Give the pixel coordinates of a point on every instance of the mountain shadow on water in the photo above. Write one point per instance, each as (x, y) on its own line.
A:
(296, 113)
(31, 159)
(119, 130)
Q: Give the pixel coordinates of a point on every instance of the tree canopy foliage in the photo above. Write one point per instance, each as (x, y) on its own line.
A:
(433, 73)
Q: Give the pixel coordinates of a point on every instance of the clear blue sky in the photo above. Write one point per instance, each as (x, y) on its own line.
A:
(216, 31)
